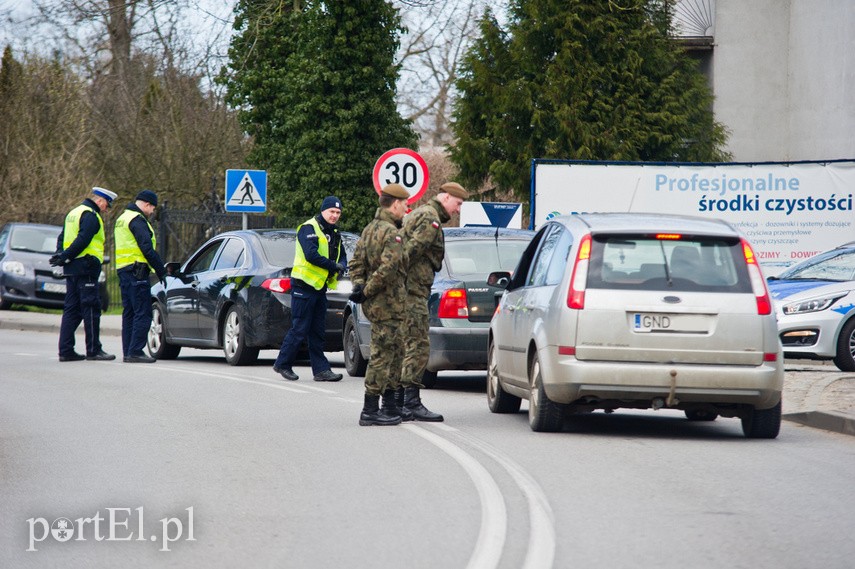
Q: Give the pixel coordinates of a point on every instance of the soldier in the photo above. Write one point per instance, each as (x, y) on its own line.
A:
(377, 273)
(424, 249)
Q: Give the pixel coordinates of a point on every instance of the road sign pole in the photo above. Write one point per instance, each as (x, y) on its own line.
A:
(245, 221)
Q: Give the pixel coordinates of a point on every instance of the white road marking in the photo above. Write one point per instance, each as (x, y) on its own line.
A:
(494, 515)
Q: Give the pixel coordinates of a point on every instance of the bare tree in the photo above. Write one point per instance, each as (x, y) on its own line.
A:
(439, 32)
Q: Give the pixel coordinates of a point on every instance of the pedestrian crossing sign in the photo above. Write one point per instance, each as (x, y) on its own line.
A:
(246, 190)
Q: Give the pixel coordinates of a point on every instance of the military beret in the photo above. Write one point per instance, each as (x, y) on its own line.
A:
(454, 189)
(396, 191)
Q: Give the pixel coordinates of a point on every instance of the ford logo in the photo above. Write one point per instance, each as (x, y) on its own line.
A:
(672, 299)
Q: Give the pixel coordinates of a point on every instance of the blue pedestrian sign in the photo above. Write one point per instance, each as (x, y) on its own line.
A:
(246, 190)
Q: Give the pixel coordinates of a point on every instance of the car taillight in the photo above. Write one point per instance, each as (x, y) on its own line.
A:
(453, 304)
(576, 291)
(277, 285)
(758, 283)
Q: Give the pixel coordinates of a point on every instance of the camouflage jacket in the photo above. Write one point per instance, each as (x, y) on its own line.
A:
(378, 266)
(424, 246)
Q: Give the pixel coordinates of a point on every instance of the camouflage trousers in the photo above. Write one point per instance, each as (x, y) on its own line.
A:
(387, 352)
(416, 340)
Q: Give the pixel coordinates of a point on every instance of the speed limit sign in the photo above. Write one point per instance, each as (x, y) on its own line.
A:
(402, 166)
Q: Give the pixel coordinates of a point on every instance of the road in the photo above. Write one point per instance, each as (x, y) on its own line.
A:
(200, 464)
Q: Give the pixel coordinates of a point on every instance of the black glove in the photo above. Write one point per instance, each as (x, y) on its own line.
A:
(340, 269)
(56, 260)
(358, 295)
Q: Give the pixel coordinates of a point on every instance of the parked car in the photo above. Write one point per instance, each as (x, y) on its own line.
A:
(460, 305)
(26, 276)
(815, 304)
(233, 293)
(608, 311)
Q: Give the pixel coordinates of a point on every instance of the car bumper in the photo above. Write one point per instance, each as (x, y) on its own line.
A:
(458, 348)
(810, 335)
(567, 380)
(44, 292)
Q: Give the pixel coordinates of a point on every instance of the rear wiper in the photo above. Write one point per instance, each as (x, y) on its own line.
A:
(667, 269)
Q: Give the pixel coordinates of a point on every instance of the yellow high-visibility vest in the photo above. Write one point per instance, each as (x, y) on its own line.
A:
(310, 274)
(72, 228)
(127, 249)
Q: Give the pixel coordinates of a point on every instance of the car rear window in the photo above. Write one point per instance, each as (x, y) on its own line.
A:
(279, 247)
(671, 263)
(483, 256)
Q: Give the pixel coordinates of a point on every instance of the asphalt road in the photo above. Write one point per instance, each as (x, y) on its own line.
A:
(193, 463)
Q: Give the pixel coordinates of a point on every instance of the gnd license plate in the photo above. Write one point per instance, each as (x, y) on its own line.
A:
(683, 323)
(54, 287)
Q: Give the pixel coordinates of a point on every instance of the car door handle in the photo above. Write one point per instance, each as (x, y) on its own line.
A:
(510, 308)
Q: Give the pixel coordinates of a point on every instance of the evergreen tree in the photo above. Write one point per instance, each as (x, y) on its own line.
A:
(579, 79)
(315, 86)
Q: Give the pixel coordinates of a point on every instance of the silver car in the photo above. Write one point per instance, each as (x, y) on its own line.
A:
(609, 311)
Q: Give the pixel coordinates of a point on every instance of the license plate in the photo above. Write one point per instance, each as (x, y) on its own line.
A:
(54, 287)
(644, 322)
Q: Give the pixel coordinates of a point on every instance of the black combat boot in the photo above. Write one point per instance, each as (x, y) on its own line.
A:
(390, 407)
(406, 414)
(371, 414)
(413, 402)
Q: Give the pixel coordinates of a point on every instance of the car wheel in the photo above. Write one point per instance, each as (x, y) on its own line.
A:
(701, 415)
(762, 423)
(845, 358)
(158, 347)
(498, 399)
(544, 415)
(234, 340)
(354, 363)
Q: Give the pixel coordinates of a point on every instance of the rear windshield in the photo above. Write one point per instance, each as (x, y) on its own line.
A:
(686, 263)
(279, 247)
(483, 256)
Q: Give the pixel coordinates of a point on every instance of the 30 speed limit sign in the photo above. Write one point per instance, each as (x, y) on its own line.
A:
(402, 166)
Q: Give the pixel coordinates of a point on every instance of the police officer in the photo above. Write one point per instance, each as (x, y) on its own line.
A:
(135, 259)
(424, 249)
(319, 260)
(80, 252)
(377, 273)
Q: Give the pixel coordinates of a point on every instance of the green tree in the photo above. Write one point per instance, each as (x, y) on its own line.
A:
(579, 79)
(315, 84)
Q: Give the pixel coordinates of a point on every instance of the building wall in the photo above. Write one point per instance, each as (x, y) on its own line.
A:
(783, 75)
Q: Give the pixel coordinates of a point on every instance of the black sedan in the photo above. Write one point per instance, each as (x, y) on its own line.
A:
(460, 306)
(26, 276)
(234, 293)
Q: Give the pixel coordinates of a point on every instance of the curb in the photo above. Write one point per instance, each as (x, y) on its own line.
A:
(827, 420)
(52, 328)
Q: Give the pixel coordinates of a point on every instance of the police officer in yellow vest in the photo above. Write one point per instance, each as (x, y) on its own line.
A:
(319, 260)
(135, 259)
(80, 252)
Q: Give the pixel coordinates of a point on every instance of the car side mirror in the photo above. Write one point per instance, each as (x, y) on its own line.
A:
(500, 279)
(173, 269)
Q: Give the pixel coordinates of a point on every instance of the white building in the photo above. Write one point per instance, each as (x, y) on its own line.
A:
(782, 72)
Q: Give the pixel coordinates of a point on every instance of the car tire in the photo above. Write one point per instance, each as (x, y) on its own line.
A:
(762, 423)
(544, 415)
(158, 347)
(845, 357)
(499, 400)
(234, 340)
(354, 363)
(701, 415)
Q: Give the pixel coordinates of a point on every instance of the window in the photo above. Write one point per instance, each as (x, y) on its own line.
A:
(232, 255)
(202, 261)
(687, 264)
(537, 276)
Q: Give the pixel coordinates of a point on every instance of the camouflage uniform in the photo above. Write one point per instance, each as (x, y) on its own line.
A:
(378, 265)
(424, 249)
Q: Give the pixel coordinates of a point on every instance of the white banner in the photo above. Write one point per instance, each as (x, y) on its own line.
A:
(788, 211)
